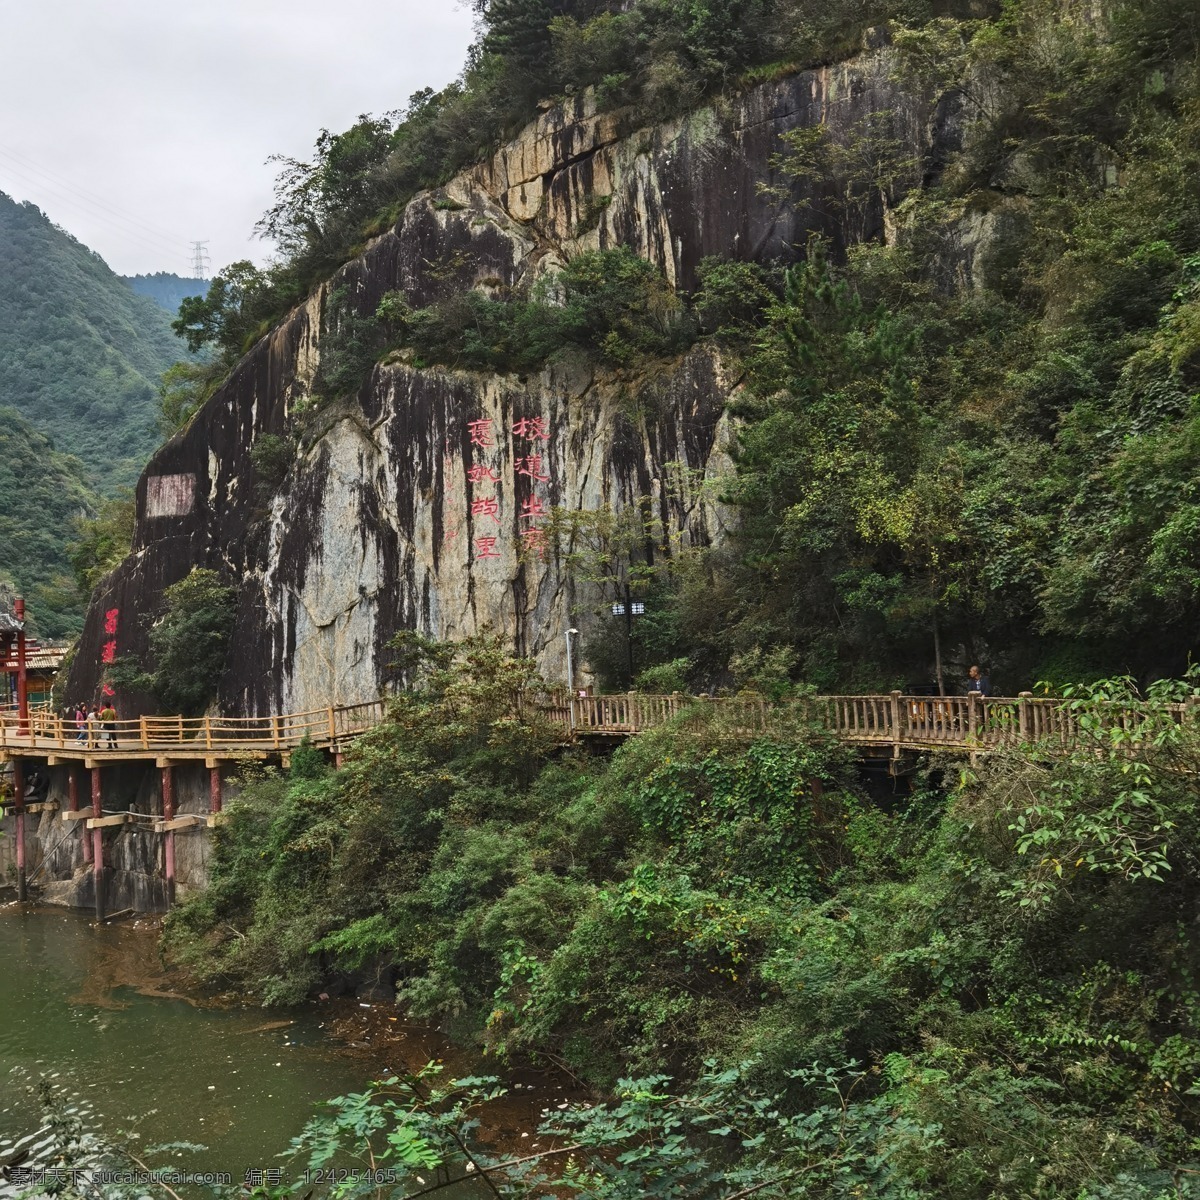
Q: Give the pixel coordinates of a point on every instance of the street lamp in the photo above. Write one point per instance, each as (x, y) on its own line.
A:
(571, 674)
(629, 608)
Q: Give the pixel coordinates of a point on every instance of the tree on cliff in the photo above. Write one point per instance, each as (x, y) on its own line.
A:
(188, 646)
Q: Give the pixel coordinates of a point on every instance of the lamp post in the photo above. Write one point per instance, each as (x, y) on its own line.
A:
(629, 609)
(571, 675)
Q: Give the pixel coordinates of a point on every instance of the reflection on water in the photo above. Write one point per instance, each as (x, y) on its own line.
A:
(90, 1009)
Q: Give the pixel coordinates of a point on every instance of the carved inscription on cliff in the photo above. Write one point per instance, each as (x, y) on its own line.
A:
(170, 495)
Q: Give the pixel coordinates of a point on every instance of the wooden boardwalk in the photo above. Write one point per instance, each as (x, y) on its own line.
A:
(888, 725)
(181, 739)
(893, 722)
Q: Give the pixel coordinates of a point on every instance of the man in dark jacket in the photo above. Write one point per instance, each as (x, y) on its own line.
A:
(978, 682)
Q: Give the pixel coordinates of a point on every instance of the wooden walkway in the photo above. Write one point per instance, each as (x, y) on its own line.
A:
(879, 725)
(182, 739)
(893, 722)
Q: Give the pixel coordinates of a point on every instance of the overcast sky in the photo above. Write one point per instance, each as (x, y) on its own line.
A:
(143, 125)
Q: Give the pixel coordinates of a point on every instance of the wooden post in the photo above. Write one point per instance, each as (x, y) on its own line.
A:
(1024, 716)
(972, 716)
(22, 670)
(98, 844)
(19, 807)
(275, 732)
(73, 806)
(214, 789)
(207, 734)
(145, 734)
(168, 807)
(339, 760)
(896, 728)
(332, 727)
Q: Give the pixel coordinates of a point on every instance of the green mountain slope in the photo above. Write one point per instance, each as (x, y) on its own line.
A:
(165, 289)
(80, 353)
(42, 491)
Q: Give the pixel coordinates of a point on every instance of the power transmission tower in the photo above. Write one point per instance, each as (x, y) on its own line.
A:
(200, 260)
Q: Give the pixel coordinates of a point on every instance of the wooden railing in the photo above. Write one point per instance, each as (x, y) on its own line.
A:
(973, 723)
(322, 726)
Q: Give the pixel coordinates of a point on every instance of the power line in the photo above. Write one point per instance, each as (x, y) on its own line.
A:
(82, 194)
(130, 230)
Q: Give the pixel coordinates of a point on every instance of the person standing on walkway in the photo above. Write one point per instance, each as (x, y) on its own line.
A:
(108, 721)
(81, 717)
(978, 682)
(93, 727)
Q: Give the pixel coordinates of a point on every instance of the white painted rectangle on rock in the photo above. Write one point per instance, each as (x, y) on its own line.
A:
(170, 495)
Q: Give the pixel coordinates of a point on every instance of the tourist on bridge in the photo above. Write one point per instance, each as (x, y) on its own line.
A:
(81, 719)
(108, 721)
(978, 682)
(93, 726)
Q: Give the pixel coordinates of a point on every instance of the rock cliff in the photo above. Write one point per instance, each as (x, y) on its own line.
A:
(416, 504)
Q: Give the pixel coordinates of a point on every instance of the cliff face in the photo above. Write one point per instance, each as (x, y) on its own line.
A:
(416, 504)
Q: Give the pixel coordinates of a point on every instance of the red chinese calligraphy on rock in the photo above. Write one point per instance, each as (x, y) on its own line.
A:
(481, 433)
(486, 506)
(485, 547)
(108, 690)
(534, 539)
(533, 429)
(482, 475)
(532, 508)
(530, 466)
(109, 653)
(110, 621)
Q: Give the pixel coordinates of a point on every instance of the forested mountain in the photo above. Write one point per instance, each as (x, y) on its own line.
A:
(42, 493)
(80, 354)
(165, 289)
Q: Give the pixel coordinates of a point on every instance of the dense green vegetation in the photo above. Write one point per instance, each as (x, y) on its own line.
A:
(610, 303)
(80, 354)
(189, 646)
(1013, 466)
(166, 289)
(80, 360)
(991, 978)
(43, 495)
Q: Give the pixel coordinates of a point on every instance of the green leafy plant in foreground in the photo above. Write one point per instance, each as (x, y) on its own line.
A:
(880, 1132)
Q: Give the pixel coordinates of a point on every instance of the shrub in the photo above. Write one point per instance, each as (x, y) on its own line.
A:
(189, 645)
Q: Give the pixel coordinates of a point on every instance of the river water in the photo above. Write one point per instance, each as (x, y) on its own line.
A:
(90, 1008)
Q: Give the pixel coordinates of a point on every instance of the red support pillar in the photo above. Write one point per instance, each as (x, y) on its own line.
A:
(73, 806)
(19, 808)
(22, 673)
(98, 845)
(214, 789)
(168, 804)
